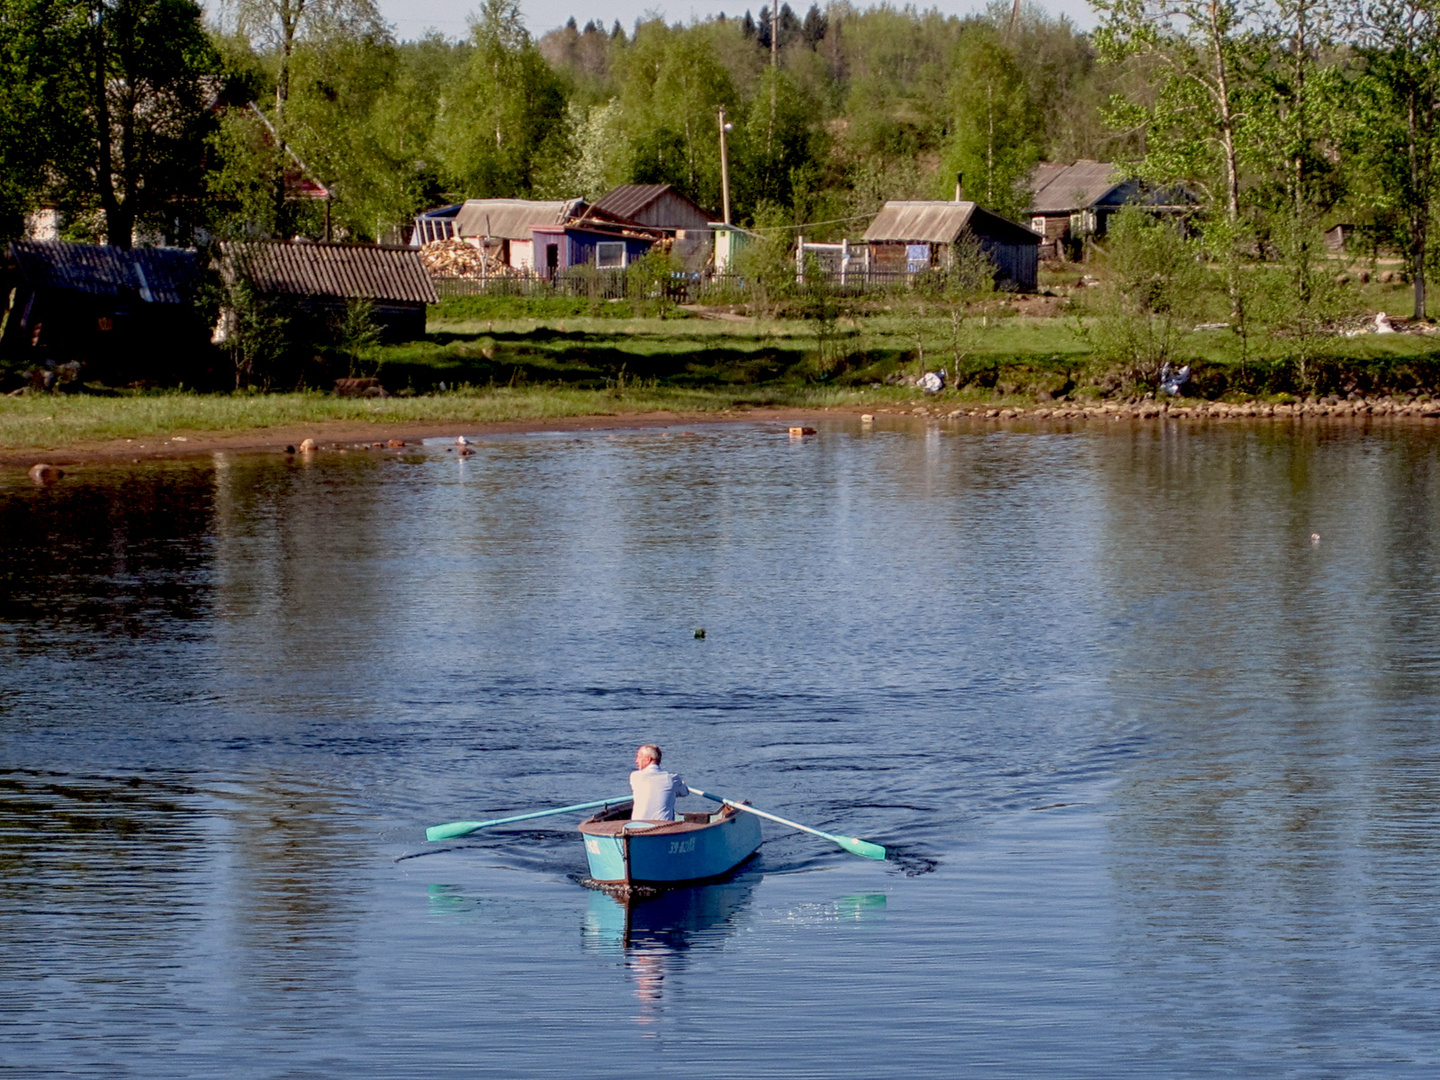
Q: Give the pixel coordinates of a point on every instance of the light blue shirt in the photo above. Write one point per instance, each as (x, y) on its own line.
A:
(655, 791)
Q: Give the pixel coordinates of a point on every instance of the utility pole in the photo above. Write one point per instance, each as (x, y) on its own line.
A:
(725, 165)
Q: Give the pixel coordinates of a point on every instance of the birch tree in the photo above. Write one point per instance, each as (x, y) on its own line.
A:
(994, 125)
(1197, 122)
(507, 107)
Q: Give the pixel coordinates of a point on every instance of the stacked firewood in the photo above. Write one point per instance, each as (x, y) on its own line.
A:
(457, 259)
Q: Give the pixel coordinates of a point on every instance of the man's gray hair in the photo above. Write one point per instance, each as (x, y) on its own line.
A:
(651, 751)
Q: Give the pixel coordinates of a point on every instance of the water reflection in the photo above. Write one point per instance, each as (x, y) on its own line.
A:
(653, 933)
(672, 920)
(230, 695)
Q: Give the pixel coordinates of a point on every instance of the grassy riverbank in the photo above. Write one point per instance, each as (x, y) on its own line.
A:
(1034, 348)
(60, 421)
(490, 361)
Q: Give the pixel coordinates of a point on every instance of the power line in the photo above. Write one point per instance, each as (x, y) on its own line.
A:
(809, 224)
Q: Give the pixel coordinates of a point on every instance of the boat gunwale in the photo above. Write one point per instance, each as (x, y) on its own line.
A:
(598, 825)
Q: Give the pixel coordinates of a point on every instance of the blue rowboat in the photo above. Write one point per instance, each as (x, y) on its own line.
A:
(696, 848)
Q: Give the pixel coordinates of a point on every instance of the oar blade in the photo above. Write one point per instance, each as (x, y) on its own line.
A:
(863, 848)
(452, 830)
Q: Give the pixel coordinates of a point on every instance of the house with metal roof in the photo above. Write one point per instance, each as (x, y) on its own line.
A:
(581, 242)
(661, 206)
(503, 227)
(1071, 202)
(124, 315)
(910, 237)
(319, 281)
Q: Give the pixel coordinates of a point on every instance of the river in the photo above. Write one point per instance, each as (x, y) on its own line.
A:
(1147, 715)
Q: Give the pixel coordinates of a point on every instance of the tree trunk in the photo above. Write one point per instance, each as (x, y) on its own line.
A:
(1420, 200)
(1232, 164)
(118, 227)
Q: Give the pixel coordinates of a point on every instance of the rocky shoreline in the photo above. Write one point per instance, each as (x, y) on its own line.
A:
(1184, 409)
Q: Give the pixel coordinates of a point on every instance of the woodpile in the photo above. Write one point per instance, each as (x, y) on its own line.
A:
(457, 259)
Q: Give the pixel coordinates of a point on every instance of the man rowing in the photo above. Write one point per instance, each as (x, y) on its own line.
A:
(654, 789)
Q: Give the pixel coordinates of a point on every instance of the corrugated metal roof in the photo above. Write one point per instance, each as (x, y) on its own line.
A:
(658, 206)
(343, 271)
(154, 275)
(510, 219)
(627, 200)
(1061, 188)
(920, 222)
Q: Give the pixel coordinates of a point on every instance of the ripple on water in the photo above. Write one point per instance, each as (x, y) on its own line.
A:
(1156, 773)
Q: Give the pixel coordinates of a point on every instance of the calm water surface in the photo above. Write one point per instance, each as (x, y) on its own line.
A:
(1158, 772)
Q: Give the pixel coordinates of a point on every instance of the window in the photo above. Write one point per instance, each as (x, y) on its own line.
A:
(610, 255)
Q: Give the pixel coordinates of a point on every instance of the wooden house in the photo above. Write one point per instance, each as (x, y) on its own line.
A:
(500, 226)
(912, 237)
(1339, 235)
(318, 281)
(660, 206)
(1072, 202)
(582, 242)
(123, 315)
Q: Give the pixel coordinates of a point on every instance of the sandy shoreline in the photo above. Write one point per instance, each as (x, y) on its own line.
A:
(346, 434)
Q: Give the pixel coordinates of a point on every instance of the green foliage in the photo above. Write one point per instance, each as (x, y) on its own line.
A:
(1147, 310)
(672, 85)
(357, 335)
(258, 337)
(34, 40)
(952, 296)
(1296, 303)
(766, 267)
(994, 125)
(1397, 101)
(649, 283)
(504, 123)
(473, 309)
(104, 106)
(244, 178)
(780, 146)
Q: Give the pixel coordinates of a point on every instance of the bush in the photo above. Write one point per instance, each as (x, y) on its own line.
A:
(1146, 312)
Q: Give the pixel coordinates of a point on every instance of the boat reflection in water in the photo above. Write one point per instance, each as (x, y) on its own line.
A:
(652, 931)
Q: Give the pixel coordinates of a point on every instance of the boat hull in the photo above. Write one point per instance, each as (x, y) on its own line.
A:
(623, 852)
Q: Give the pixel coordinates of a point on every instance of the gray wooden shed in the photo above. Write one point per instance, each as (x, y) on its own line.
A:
(126, 315)
(659, 206)
(911, 237)
(1071, 202)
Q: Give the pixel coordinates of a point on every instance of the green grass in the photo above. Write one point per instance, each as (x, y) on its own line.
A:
(476, 308)
(46, 422)
(473, 369)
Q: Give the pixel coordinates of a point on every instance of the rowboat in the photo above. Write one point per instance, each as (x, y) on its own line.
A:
(698, 847)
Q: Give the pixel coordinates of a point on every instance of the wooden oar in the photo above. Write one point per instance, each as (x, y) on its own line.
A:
(465, 828)
(852, 844)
